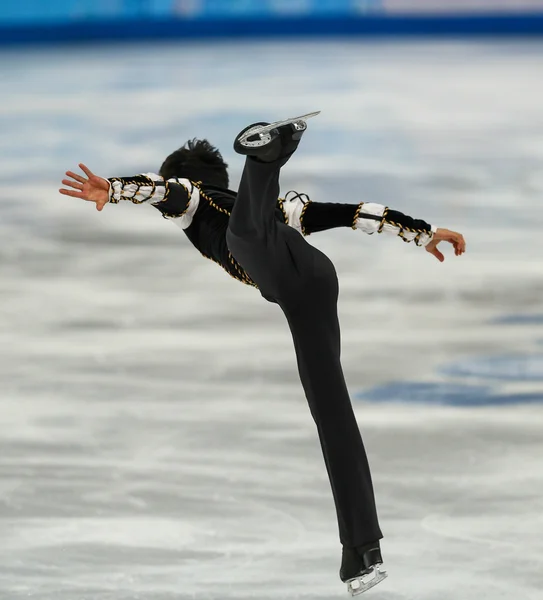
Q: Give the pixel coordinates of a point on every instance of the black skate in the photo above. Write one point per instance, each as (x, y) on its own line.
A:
(361, 568)
(268, 142)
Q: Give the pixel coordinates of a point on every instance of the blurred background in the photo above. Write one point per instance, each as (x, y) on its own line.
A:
(33, 20)
(154, 439)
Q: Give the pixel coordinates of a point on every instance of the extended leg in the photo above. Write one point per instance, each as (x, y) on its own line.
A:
(315, 330)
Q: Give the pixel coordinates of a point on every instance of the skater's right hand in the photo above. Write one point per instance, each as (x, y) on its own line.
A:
(93, 188)
(446, 235)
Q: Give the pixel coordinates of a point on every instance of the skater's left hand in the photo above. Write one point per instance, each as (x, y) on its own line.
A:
(446, 235)
(93, 188)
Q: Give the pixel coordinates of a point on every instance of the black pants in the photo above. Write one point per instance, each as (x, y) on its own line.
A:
(303, 282)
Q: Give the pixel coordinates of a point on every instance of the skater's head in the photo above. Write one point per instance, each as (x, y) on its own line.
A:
(197, 160)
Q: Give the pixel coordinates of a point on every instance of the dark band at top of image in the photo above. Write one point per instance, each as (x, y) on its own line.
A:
(82, 20)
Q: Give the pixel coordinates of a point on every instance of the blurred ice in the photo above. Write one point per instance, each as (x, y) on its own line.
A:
(155, 440)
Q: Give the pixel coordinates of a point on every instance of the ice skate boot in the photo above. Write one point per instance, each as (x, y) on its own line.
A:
(361, 568)
(268, 142)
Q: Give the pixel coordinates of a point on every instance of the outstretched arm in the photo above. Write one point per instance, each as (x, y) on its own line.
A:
(172, 197)
(309, 217)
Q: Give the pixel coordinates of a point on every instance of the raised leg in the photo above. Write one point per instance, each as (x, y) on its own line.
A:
(303, 281)
(315, 330)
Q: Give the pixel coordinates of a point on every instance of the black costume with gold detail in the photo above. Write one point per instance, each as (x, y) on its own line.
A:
(211, 207)
(251, 235)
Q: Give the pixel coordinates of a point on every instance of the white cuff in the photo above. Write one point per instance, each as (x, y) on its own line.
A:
(426, 238)
(293, 211)
(115, 189)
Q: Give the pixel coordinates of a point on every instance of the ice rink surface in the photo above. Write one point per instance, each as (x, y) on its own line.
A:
(155, 442)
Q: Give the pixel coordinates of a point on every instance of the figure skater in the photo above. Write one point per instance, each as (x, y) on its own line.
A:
(259, 239)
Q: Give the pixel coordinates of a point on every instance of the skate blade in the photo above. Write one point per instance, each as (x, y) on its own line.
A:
(362, 584)
(262, 130)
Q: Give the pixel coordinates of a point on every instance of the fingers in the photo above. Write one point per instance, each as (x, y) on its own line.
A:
(72, 193)
(438, 254)
(99, 203)
(76, 176)
(432, 249)
(454, 238)
(459, 244)
(86, 170)
(74, 184)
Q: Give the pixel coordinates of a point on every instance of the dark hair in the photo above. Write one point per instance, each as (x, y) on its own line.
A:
(197, 160)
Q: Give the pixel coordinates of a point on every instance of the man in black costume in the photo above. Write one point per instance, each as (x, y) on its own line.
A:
(258, 238)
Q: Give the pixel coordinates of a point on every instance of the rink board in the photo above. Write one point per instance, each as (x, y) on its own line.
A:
(481, 26)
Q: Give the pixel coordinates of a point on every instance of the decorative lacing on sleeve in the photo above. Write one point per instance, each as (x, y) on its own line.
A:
(281, 203)
(357, 215)
(165, 197)
(419, 236)
(138, 190)
(295, 217)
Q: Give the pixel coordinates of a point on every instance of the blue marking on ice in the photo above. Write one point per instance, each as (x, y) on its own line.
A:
(519, 319)
(519, 367)
(450, 394)
(514, 368)
(428, 393)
